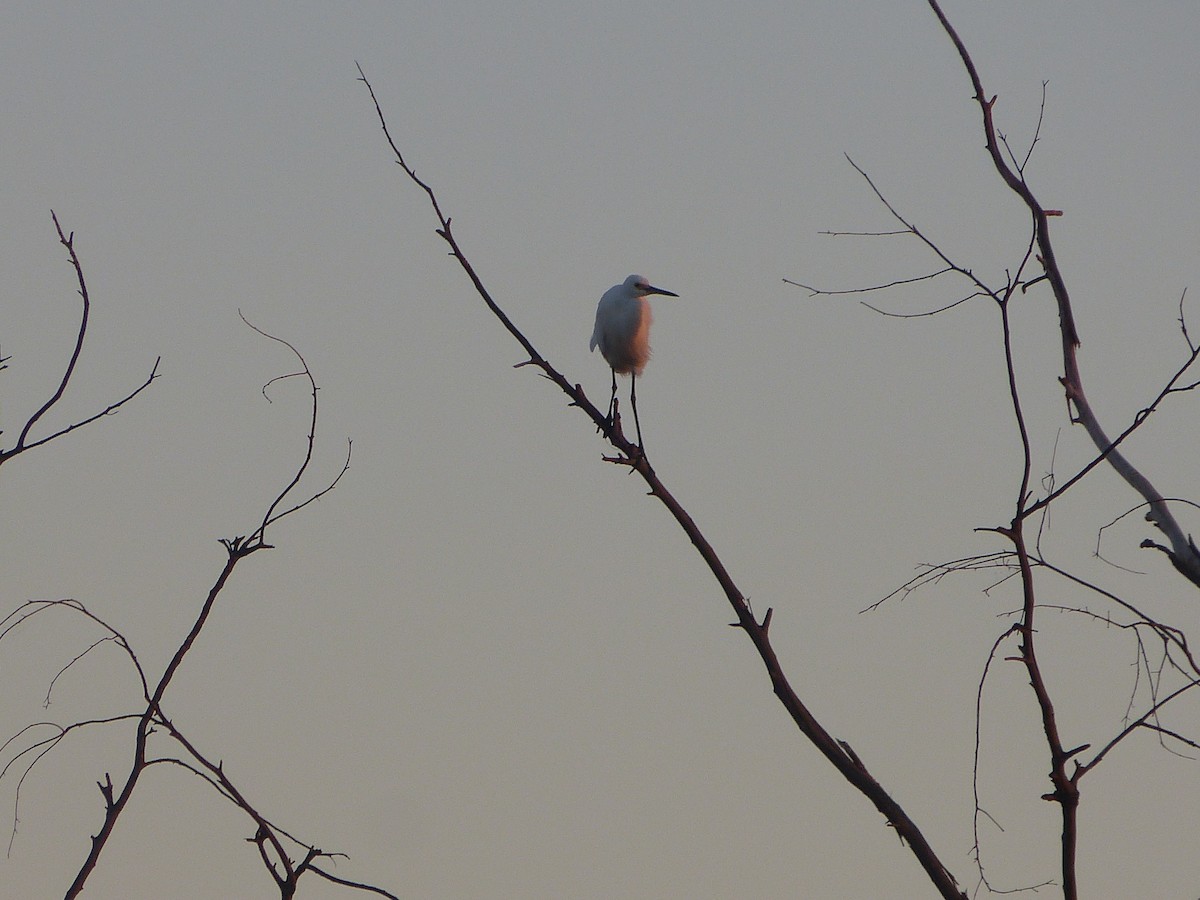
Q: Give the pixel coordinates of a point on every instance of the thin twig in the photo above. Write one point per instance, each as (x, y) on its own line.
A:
(819, 292)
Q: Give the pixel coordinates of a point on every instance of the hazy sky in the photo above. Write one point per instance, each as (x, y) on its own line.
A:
(488, 665)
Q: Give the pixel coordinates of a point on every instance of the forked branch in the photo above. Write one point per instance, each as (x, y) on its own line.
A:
(23, 442)
(38, 740)
(238, 548)
(1182, 552)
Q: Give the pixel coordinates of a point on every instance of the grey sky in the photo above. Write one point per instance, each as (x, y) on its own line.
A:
(487, 665)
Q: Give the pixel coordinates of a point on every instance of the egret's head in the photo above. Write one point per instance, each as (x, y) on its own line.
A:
(640, 287)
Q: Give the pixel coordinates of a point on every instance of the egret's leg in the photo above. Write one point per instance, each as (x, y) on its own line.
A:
(612, 400)
(633, 403)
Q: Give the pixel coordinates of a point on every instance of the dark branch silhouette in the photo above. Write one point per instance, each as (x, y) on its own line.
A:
(1162, 650)
(1182, 552)
(23, 441)
(272, 842)
(847, 762)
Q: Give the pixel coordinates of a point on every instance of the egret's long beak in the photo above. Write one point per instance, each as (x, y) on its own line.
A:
(653, 290)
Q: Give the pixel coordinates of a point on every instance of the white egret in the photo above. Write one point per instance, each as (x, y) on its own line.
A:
(622, 333)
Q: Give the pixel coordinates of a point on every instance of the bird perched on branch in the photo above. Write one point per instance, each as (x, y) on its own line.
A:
(623, 335)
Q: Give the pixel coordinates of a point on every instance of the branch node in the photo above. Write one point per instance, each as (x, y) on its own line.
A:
(858, 763)
(1075, 751)
(106, 789)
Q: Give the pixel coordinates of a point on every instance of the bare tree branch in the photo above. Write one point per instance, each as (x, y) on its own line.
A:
(847, 763)
(38, 750)
(31, 608)
(977, 847)
(237, 548)
(256, 538)
(356, 885)
(285, 871)
(28, 747)
(23, 443)
(1182, 553)
(67, 241)
(1140, 722)
(932, 573)
(819, 292)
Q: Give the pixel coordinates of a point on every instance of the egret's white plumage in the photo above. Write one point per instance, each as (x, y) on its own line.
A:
(622, 333)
